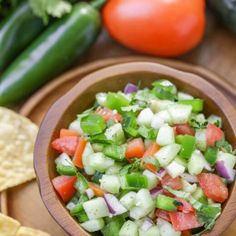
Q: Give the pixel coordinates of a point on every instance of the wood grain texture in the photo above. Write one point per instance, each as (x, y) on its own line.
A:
(113, 79)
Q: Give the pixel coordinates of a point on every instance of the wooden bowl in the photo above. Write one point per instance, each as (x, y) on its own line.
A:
(114, 78)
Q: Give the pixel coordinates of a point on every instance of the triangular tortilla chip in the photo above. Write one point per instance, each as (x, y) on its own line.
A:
(17, 138)
(8, 226)
(25, 231)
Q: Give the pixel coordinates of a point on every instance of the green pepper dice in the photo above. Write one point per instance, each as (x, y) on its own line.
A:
(188, 143)
(197, 104)
(167, 203)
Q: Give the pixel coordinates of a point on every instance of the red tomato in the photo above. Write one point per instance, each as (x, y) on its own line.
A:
(213, 187)
(174, 183)
(67, 132)
(213, 134)
(184, 129)
(135, 148)
(77, 160)
(66, 144)
(108, 114)
(162, 214)
(160, 27)
(186, 207)
(186, 233)
(64, 186)
(184, 221)
(151, 150)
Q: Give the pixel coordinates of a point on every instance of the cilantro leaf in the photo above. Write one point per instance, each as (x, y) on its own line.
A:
(225, 146)
(133, 167)
(46, 8)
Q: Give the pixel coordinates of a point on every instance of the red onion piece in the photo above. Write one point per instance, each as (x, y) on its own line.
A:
(189, 178)
(161, 173)
(147, 224)
(89, 193)
(156, 191)
(225, 171)
(114, 205)
(130, 88)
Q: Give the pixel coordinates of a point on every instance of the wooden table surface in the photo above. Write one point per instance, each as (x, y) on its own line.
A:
(217, 52)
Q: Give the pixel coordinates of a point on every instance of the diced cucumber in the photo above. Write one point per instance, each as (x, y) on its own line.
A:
(75, 126)
(166, 203)
(64, 160)
(153, 231)
(201, 142)
(195, 164)
(137, 213)
(152, 179)
(93, 225)
(187, 187)
(165, 115)
(97, 147)
(195, 203)
(198, 193)
(166, 154)
(160, 105)
(175, 169)
(128, 200)
(157, 121)
(116, 152)
(115, 133)
(215, 120)
(113, 225)
(184, 96)
(99, 162)
(115, 169)
(180, 113)
(144, 199)
(166, 229)
(229, 159)
(101, 99)
(96, 208)
(145, 117)
(177, 193)
(110, 183)
(165, 135)
(86, 159)
(129, 228)
(181, 161)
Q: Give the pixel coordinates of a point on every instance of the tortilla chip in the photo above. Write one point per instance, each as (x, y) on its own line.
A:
(25, 231)
(8, 226)
(17, 138)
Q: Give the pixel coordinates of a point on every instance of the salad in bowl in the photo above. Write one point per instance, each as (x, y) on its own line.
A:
(144, 162)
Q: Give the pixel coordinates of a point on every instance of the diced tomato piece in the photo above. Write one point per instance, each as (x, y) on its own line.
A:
(66, 144)
(167, 193)
(184, 129)
(162, 214)
(108, 114)
(213, 134)
(135, 148)
(151, 150)
(150, 166)
(184, 221)
(186, 233)
(67, 132)
(213, 187)
(64, 186)
(174, 183)
(97, 190)
(77, 160)
(186, 207)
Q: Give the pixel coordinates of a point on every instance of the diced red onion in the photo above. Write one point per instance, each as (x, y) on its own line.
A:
(156, 191)
(90, 193)
(161, 173)
(147, 224)
(130, 88)
(114, 205)
(225, 171)
(189, 178)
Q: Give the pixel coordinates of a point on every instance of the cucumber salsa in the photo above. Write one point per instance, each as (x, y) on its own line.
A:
(144, 162)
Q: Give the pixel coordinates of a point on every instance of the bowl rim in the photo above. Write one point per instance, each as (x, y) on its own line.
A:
(48, 195)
